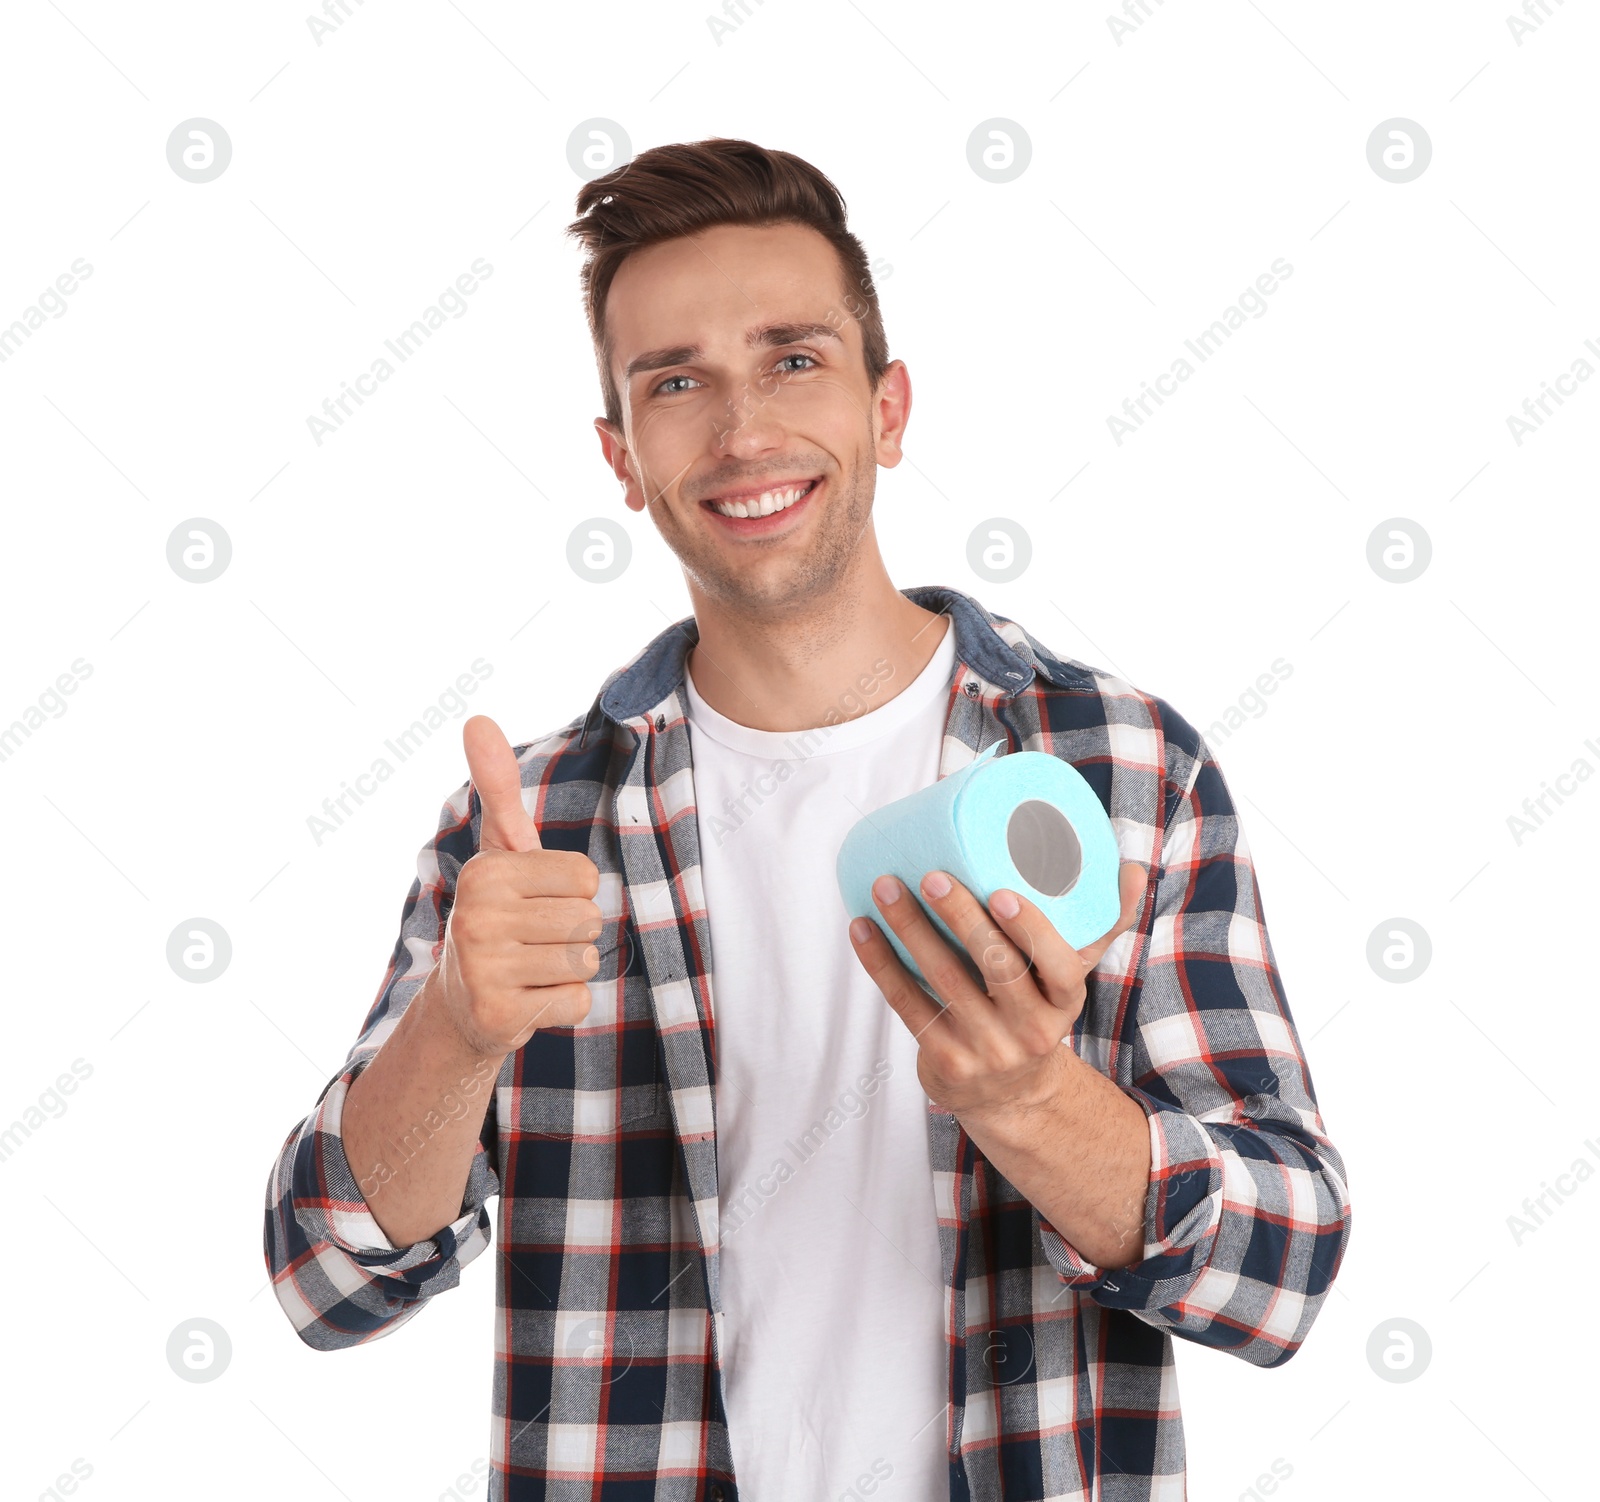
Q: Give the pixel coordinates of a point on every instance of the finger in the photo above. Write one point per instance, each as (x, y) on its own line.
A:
(532, 967)
(905, 997)
(507, 824)
(1042, 964)
(556, 919)
(1002, 957)
(946, 976)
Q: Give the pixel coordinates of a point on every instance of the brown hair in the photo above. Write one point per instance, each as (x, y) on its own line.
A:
(685, 187)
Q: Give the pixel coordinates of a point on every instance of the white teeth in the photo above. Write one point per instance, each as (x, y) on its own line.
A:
(764, 504)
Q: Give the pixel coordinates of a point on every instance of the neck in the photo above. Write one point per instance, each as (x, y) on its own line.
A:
(821, 661)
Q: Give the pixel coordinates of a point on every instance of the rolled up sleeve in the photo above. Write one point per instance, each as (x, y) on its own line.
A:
(1247, 1213)
(337, 1276)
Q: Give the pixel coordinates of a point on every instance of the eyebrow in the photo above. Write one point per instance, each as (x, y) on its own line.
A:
(766, 336)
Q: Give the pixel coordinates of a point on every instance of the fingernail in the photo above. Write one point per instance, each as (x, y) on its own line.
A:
(886, 889)
(860, 930)
(1005, 905)
(936, 883)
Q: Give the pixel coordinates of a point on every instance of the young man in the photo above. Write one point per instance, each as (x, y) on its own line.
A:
(774, 1222)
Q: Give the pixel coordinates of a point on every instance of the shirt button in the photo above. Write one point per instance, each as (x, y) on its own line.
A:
(972, 690)
(716, 1493)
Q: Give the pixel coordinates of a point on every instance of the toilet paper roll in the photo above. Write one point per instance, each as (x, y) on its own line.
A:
(1027, 821)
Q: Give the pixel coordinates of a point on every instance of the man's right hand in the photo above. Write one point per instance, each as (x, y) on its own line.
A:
(517, 948)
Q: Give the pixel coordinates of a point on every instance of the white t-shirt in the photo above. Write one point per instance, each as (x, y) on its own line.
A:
(833, 1339)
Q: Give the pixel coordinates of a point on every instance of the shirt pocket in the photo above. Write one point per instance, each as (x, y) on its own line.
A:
(590, 1080)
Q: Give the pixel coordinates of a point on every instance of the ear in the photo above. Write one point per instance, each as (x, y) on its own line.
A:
(891, 410)
(614, 445)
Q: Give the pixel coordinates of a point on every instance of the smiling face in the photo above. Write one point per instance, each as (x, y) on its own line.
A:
(744, 390)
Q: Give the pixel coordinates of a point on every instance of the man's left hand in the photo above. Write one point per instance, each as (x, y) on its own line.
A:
(999, 1049)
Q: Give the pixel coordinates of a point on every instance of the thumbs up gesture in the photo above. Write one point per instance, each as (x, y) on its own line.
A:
(517, 947)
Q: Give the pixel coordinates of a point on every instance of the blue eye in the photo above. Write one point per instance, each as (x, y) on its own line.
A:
(666, 387)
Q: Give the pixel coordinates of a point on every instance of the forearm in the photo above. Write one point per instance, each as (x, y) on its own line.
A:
(1080, 1154)
(412, 1119)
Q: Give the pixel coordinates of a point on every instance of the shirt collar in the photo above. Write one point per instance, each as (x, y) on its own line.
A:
(997, 650)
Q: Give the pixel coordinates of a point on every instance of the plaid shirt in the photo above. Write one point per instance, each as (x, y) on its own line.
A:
(601, 1140)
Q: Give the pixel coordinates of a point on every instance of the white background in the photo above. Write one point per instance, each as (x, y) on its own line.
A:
(1167, 173)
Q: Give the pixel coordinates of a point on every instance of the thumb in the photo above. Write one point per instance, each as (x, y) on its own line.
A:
(498, 779)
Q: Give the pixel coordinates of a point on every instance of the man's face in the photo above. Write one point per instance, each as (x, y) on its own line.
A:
(740, 367)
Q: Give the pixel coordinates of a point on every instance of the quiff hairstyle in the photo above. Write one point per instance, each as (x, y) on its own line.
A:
(680, 189)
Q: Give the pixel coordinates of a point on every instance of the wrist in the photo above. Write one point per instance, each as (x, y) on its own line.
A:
(1025, 1103)
(441, 1031)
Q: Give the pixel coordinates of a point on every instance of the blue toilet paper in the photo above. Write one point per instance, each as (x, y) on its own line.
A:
(1027, 821)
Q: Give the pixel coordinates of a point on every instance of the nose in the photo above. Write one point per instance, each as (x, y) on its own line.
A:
(748, 426)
